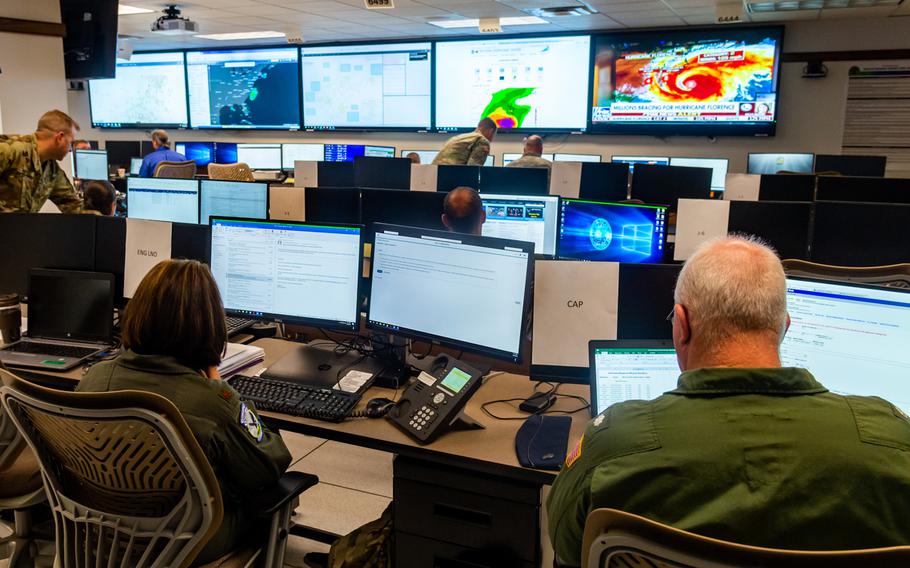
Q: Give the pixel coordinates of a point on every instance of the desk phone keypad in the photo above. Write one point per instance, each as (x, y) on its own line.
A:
(422, 416)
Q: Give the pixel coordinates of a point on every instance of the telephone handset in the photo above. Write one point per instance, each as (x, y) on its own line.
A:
(433, 404)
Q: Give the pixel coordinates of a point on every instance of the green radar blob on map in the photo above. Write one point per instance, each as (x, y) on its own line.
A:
(504, 109)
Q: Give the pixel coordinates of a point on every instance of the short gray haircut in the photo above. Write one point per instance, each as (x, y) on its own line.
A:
(733, 285)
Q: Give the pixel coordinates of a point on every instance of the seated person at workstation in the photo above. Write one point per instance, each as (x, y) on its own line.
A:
(463, 211)
(469, 149)
(162, 153)
(82, 145)
(29, 170)
(742, 450)
(99, 196)
(174, 335)
(414, 157)
(530, 157)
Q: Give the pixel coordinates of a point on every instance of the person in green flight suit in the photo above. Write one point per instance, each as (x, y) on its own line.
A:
(29, 172)
(469, 149)
(743, 449)
(174, 334)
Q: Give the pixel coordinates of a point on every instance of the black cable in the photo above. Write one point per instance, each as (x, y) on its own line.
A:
(549, 410)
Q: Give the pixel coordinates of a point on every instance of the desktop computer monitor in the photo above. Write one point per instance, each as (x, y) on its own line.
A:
(332, 205)
(91, 164)
(260, 156)
(395, 207)
(788, 233)
(120, 152)
(588, 158)
(448, 177)
(630, 370)
(616, 232)
(761, 163)
(514, 181)
(607, 181)
(666, 185)
(526, 218)
(335, 174)
(786, 187)
(426, 156)
(384, 173)
(379, 151)
(464, 291)
(868, 166)
(288, 272)
(863, 189)
(203, 153)
(853, 338)
(633, 160)
(509, 158)
(226, 153)
(718, 167)
(291, 153)
(343, 152)
(645, 299)
(161, 199)
(135, 166)
(860, 234)
(249, 200)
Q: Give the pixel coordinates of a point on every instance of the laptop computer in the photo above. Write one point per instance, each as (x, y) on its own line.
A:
(70, 318)
(630, 369)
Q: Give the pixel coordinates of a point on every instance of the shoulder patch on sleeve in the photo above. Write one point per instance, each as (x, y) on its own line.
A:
(250, 422)
(573, 456)
(226, 393)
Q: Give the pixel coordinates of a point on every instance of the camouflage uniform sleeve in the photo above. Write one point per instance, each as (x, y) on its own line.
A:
(568, 505)
(479, 153)
(63, 194)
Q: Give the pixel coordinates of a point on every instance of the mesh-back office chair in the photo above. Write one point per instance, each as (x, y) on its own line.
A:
(231, 172)
(176, 170)
(616, 539)
(20, 490)
(894, 275)
(127, 482)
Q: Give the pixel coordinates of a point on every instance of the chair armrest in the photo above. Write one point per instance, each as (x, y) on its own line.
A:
(289, 486)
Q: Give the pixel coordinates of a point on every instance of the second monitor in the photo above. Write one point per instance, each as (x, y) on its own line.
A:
(233, 199)
(523, 218)
(592, 230)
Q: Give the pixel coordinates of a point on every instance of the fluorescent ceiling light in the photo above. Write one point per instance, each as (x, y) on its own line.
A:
(242, 35)
(124, 10)
(475, 22)
(788, 5)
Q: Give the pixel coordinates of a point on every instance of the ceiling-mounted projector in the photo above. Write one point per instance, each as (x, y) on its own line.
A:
(171, 23)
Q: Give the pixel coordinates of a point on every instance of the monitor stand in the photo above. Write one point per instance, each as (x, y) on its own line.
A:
(320, 367)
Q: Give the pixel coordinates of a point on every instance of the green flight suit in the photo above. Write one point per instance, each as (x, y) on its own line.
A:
(531, 161)
(766, 457)
(244, 454)
(469, 149)
(26, 182)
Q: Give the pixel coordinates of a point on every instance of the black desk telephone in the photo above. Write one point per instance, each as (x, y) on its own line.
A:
(433, 404)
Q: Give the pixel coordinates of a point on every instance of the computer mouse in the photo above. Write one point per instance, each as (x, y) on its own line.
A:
(379, 407)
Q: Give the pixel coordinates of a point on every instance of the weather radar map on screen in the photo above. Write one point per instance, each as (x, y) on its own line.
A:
(255, 88)
(148, 90)
(724, 79)
(523, 83)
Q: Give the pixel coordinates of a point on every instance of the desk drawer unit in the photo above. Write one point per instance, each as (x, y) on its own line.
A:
(470, 511)
(418, 552)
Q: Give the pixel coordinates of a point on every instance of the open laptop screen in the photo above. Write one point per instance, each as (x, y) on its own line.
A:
(68, 304)
(630, 370)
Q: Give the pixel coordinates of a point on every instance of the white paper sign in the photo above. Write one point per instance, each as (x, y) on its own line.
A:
(306, 173)
(565, 179)
(741, 187)
(147, 244)
(423, 177)
(697, 221)
(353, 381)
(287, 203)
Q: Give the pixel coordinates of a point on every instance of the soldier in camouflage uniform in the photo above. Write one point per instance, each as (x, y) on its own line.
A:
(742, 450)
(531, 156)
(29, 172)
(469, 149)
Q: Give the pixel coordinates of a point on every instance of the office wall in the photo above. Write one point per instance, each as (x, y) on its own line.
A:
(811, 110)
(32, 77)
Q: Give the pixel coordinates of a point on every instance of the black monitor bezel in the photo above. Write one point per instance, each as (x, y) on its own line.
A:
(527, 248)
(750, 154)
(298, 320)
(107, 163)
(563, 201)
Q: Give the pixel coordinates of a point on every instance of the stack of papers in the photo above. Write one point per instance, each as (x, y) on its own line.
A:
(239, 357)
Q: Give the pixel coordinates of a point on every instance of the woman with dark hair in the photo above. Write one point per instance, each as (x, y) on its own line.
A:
(100, 196)
(174, 335)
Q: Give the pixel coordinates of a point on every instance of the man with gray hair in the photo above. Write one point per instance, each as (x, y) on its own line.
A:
(531, 155)
(162, 153)
(742, 450)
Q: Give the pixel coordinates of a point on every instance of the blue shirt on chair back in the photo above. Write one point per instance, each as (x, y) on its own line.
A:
(150, 161)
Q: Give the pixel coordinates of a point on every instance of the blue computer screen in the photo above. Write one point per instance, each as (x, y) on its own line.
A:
(203, 153)
(225, 153)
(343, 152)
(590, 230)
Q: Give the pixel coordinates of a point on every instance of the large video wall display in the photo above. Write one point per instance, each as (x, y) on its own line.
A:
(705, 81)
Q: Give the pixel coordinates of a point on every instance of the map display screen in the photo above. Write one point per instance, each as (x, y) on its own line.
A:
(367, 86)
(244, 88)
(529, 83)
(149, 90)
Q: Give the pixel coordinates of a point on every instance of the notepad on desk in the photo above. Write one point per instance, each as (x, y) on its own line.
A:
(238, 357)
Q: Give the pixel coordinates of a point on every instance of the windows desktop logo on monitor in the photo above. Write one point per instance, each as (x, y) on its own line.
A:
(615, 232)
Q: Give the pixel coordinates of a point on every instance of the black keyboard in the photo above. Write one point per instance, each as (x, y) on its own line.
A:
(236, 325)
(51, 349)
(295, 399)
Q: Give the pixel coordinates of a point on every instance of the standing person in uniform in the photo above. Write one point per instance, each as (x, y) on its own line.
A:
(29, 172)
(531, 156)
(743, 450)
(469, 149)
(174, 335)
(162, 153)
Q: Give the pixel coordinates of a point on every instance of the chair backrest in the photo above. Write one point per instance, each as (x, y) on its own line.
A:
(894, 275)
(231, 172)
(616, 539)
(176, 170)
(126, 479)
(11, 442)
